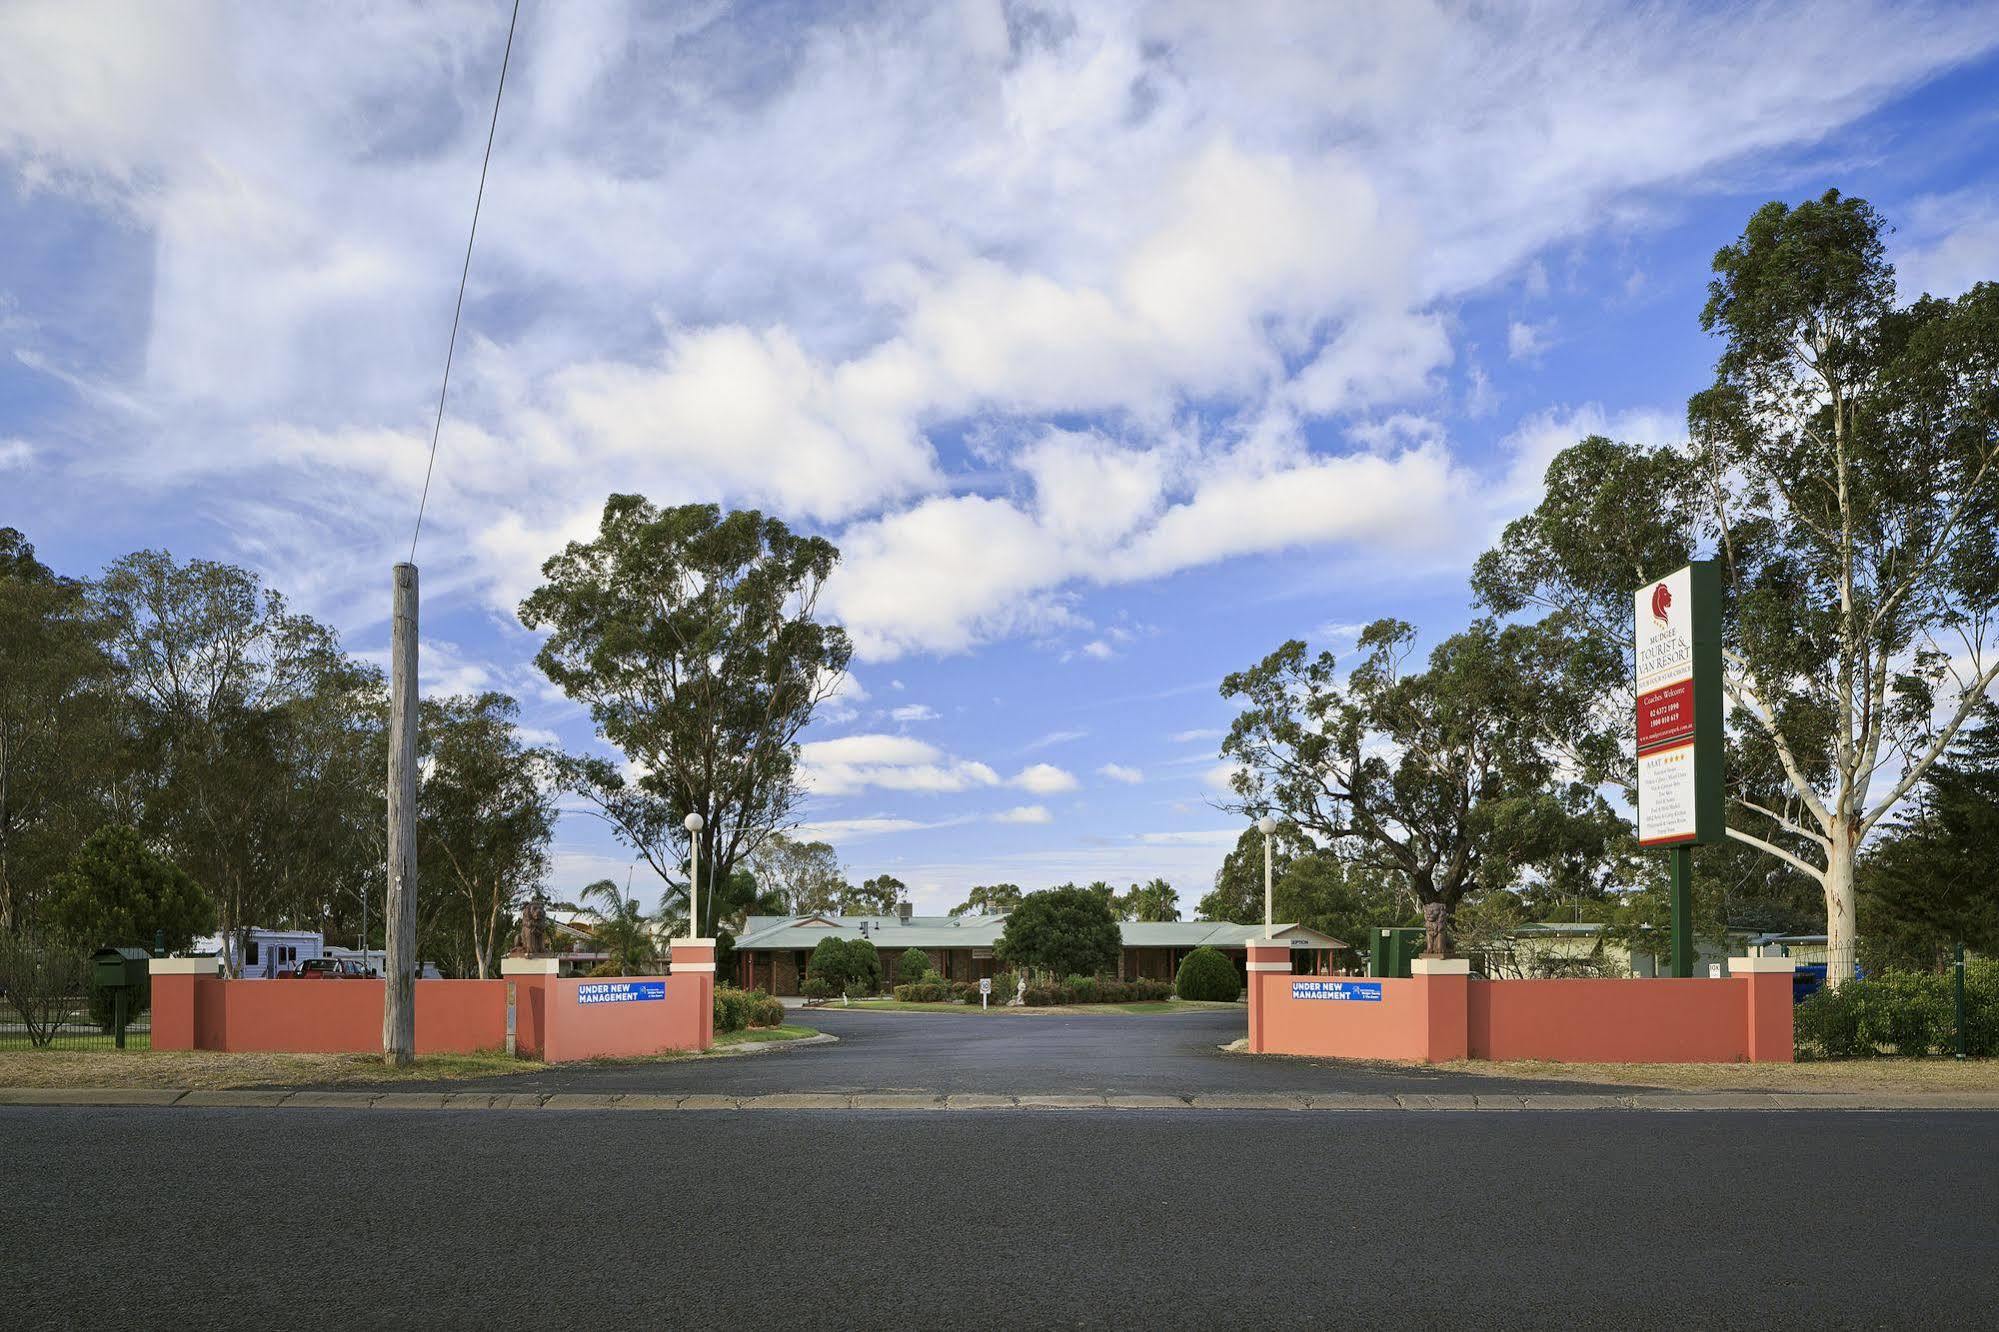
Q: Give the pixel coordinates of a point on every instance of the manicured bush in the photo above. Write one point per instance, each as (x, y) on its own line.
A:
(1114, 992)
(1081, 990)
(1150, 991)
(851, 965)
(1206, 973)
(1039, 996)
(732, 1009)
(818, 988)
(911, 966)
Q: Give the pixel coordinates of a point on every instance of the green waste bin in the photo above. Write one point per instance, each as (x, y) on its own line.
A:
(123, 972)
(1392, 950)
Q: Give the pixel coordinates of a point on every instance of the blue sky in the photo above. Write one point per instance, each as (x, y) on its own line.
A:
(1114, 345)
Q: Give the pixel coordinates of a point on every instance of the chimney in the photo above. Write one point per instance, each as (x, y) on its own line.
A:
(902, 910)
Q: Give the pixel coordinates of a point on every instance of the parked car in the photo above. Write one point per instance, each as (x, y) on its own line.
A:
(328, 968)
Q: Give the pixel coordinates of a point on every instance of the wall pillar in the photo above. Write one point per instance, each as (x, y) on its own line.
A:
(1445, 986)
(1767, 1007)
(695, 958)
(172, 980)
(527, 982)
(1267, 957)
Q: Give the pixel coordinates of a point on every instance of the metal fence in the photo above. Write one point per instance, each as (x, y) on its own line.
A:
(75, 1021)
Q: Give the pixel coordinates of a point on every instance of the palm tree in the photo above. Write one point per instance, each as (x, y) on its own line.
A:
(620, 928)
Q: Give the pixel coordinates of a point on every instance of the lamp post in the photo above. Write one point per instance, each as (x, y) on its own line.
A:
(693, 824)
(1266, 825)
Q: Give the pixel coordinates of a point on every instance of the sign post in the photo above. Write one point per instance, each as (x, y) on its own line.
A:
(985, 991)
(1678, 662)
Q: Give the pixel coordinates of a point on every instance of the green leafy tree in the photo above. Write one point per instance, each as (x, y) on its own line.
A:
(1844, 469)
(1438, 779)
(119, 891)
(875, 897)
(692, 636)
(990, 899)
(240, 705)
(61, 742)
(1066, 931)
(846, 963)
(487, 814)
(799, 878)
(1927, 886)
(1153, 901)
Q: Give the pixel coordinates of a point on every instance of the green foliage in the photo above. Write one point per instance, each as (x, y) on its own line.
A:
(692, 637)
(874, 897)
(1207, 973)
(764, 1010)
(1082, 989)
(620, 928)
(936, 991)
(1926, 887)
(989, 899)
(118, 890)
(1062, 930)
(818, 987)
(1902, 1013)
(1440, 778)
(797, 878)
(852, 966)
(732, 1009)
(1155, 901)
(608, 968)
(912, 965)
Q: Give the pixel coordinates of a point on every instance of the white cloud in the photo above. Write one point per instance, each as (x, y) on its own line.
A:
(1043, 779)
(16, 454)
(1220, 778)
(1098, 650)
(913, 712)
(1525, 341)
(1119, 772)
(854, 763)
(1051, 738)
(1946, 243)
(1198, 733)
(1024, 814)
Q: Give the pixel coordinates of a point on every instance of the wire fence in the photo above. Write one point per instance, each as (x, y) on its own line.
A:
(78, 1020)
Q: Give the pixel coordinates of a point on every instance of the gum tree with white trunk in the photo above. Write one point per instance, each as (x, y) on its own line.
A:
(1844, 468)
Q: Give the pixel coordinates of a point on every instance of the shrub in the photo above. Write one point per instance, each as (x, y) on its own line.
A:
(1004, 984)
(765, 1011)
(1904, 1013)
(1206, 973)
(1114, 992)
(852, 966)
(1039, 996)
(858, 990)
(1150, 991)
(1082, 989)
(606, 968)
(912, 966)
(732, 1009)
(818, 989)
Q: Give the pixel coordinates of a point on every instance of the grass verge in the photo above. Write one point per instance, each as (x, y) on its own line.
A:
(1844, 1075)
(213, 1070)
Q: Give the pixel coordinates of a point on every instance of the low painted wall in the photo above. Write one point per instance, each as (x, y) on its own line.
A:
(322, 1017)
(593, 1019)
(1434, 1018)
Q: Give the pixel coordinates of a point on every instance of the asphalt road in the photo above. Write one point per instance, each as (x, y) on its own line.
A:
(1176, 1053)
(1207, 1219)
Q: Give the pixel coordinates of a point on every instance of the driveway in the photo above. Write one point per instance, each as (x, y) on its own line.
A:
(1175, 1054)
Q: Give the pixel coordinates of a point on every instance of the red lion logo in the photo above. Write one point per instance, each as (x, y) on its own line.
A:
(1661, 599)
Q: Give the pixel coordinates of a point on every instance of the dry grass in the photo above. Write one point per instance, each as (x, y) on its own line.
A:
(1848, 1075)
(212, 1070)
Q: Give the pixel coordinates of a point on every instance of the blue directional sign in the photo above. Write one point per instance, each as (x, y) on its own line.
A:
(1351, 991)
(620, 992)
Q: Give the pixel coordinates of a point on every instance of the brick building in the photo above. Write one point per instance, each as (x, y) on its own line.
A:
(772, 951)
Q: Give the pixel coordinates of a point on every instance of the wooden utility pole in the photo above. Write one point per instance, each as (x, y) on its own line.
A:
(399, 987)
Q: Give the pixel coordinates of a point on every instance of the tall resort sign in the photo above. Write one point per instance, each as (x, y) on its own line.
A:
(1679, 707)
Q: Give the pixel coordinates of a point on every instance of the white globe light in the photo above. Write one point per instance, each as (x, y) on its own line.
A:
(1266, 825)
(692, 823)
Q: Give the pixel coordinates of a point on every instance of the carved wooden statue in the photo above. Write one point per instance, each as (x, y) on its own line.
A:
(534, 927)
(1436, 943)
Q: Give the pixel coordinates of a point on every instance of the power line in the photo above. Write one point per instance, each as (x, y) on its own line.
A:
(451, 347)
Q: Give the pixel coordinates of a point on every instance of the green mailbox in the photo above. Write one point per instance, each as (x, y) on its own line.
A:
(1392, 951)
(122, 971)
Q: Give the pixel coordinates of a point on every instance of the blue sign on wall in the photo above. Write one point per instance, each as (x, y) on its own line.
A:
(1352, 991)
(620, 992)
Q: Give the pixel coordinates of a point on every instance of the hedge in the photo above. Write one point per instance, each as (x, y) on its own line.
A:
(732, 1009)
(1903, 1013)
(765, 1011)
(1206, 973)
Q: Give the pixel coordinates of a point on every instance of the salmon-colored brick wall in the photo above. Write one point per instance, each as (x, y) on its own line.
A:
(325, 1017)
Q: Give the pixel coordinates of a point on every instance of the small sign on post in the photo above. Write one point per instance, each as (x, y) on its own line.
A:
(985, 991)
